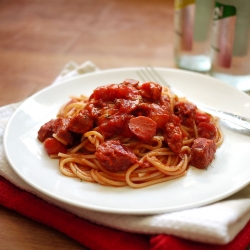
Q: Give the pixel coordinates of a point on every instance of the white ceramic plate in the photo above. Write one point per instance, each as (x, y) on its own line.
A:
(229, 172)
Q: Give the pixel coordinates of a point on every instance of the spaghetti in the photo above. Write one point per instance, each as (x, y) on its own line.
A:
(130, 134)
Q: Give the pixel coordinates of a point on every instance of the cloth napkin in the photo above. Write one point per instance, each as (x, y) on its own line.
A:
(223, 225)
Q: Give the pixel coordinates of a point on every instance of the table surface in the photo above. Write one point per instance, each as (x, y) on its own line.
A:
(37, 38)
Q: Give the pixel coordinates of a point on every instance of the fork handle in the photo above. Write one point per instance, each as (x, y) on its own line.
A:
(236, 119)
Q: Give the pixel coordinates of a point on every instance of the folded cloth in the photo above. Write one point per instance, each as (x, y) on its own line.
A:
(222, 224)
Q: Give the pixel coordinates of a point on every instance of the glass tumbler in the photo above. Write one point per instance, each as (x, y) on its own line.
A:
(193, 28)
(231, 43)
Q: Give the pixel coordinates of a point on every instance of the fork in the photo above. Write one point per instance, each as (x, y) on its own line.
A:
(150, 74)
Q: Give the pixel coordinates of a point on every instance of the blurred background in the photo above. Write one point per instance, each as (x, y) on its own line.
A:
(38, 37)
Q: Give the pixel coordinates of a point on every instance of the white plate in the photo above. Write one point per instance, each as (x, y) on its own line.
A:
(230, 171)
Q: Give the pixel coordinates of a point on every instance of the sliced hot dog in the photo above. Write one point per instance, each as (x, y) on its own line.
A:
(143, 127)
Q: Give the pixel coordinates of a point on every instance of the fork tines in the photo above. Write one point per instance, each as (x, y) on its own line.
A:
(148, 73)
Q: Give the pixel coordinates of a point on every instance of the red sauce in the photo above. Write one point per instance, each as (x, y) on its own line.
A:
(134, 110)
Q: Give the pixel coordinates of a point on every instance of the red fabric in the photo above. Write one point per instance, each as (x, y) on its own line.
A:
(89, 234)
(166, 242)
(95, 236)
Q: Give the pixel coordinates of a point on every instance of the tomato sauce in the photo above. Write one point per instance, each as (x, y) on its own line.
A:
(132, 110)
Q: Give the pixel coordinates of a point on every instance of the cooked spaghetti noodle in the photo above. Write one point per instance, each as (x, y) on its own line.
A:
(107, 115)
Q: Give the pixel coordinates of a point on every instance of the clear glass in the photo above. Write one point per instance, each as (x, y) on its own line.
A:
(231, 44)
(193, 28)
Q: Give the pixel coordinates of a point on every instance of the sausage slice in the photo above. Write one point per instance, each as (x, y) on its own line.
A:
(202, 152)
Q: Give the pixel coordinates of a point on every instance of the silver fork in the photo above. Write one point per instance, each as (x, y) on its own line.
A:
(150, 74)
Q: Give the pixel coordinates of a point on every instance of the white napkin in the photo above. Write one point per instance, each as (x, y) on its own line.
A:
(218, 223)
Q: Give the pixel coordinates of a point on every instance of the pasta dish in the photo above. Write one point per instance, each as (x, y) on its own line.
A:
(130, 134)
